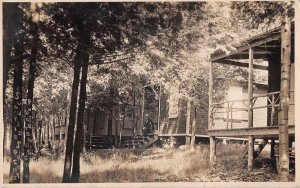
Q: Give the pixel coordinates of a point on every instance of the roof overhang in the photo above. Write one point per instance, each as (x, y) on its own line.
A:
(264, 45)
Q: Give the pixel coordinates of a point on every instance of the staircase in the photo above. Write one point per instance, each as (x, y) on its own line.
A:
(140, 142)
(98, 142)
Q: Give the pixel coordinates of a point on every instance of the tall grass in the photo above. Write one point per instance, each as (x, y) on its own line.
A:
(124, 166)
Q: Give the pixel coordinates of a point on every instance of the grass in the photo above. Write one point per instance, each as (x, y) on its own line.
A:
(151, 165)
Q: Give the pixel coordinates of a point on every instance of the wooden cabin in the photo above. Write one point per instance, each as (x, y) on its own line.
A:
(176, 118)
(249, 54)
(106, 128)
(176, 115)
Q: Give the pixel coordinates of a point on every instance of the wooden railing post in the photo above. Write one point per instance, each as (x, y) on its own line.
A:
(231, 123)
(250, 110)
(272, 110)
(212, 139)
(227, 113)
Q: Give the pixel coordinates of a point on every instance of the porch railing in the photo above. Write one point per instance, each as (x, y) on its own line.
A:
(227, 108)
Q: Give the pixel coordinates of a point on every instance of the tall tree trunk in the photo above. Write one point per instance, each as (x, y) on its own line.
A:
(17, 126)
(134, 115)
(116, 128)
(284, 99)
(188, 122)
(109, 124)
(9, 29)
(72, 117)
(80, 119)
(28, 116)
(193, 129)
(55, 120)
(40, 125)
(85, 119)
(49, 135)
(11, 22)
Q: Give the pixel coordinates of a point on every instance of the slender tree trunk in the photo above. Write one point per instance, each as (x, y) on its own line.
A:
(66, 122)
(134, 116)
(188, 123)
(193, 129)
(116, 128)
(49, 123)
(17, 126)
(55, 120)
(80, 119)
(284, 100)
(85, 119)
(40, 134)
(43, 134)
(72, 117)
(109, 130)
(28, 116)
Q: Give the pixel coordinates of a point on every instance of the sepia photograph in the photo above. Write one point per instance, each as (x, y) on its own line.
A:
(148, 92)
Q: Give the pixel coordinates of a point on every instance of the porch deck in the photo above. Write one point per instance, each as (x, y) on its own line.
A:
(257, 132)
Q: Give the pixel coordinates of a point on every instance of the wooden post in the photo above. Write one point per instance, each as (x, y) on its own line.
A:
(250, 111)
(188, 122)
(210, 93)
(272, 153)
(213, 150)
(231, 116)
(212, 139)
(284, 100)
(227, 112)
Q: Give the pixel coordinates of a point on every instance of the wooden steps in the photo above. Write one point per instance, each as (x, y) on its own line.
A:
(139, 142)
(98, 142)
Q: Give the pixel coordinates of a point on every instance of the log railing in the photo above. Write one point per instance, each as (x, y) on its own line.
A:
(229, 107)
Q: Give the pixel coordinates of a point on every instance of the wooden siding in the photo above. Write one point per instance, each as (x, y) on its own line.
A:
(201, 121)
(178, 125)
(172, 125)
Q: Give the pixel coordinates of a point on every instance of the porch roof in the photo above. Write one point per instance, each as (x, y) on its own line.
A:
(264, 45)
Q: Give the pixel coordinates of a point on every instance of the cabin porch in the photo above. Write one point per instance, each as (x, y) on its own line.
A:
(255, 115)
